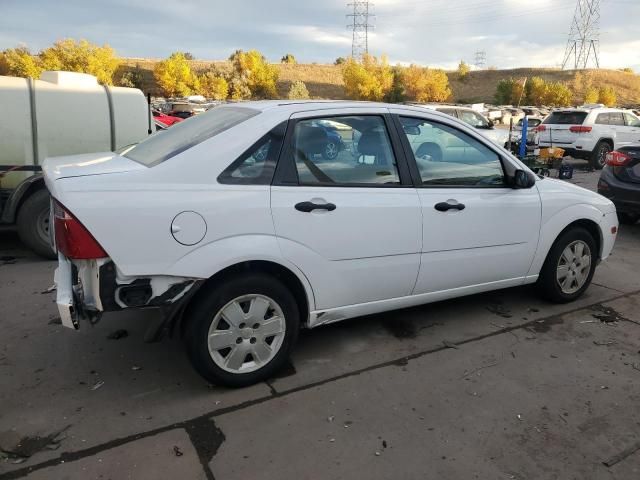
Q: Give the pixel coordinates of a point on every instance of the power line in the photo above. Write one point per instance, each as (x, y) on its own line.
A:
(583, 44)
(481, 59)
(360, 25)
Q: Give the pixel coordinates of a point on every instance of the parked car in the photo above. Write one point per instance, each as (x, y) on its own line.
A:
(62, 113)
(240, 254)
(181, 114)
(620, 182)
(532, 133)
(473, 118)
(167, 120)
(589, 132)
(334, 143)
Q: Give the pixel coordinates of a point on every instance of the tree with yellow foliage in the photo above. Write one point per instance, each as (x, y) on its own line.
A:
(558, 95)
(423, 84)
(591, 95)
(81, 56)
(21, 63)
(370, 79)
(536, 91)
(174, 75)
(607, 96)
(252, 76)
(213, 86)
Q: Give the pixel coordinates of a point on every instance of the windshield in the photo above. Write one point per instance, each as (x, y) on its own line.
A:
(184, 135)
(565, 118)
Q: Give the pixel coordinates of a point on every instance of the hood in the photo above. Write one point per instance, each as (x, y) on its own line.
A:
(56, 168)
(496, 135)
(574, 194)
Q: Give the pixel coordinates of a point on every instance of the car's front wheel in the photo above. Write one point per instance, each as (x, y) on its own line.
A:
(243, 330)
(569, 267)
(331, 150)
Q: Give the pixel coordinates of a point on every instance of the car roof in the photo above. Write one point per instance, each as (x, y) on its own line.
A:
(297, 106)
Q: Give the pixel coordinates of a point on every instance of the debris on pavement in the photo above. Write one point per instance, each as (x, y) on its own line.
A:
(377, 453)
(449, 344)
(497, 308)
(135, 368)
(18, 448)
(55, 321)
(118, 334)
(97, 385)
(177, 451)
(52, 288)
(607, 314)
(475, 370)
(604, 342)
(330, 418)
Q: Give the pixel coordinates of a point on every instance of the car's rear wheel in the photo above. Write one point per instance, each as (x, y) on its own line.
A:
(243, 330)
(599, 155)
(569, 267)
(33, 223)
(628, 218)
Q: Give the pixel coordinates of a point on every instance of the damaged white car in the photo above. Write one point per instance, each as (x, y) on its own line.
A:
(242, 231)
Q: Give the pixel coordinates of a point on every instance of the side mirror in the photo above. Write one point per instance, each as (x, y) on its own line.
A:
(491, 124)
(523, 179)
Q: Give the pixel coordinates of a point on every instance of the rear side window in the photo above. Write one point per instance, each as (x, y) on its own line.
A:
(184, 135)
(565, 118)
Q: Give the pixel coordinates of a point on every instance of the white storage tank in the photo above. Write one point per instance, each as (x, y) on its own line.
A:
(65, 113)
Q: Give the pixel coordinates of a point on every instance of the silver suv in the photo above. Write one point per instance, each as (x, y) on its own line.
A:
(589, 132)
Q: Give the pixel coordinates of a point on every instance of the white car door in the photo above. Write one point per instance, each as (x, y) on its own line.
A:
(477, 230)
(631, 129)
(351, 222)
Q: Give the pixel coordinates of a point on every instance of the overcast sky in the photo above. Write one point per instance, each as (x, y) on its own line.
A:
(428, 32)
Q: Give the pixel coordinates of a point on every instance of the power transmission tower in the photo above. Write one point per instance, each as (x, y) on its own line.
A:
(481, 59)
(360, 25)
(583, 45)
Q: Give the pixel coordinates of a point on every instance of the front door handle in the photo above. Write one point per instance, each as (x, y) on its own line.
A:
(310, 206)
(444, 206)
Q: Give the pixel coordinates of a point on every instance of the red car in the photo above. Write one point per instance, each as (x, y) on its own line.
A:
(166, 119)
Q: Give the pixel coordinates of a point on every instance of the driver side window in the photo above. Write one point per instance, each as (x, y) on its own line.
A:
(446, 156)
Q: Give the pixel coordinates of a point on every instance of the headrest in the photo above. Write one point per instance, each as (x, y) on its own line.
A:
(371, 142)
(312, 139)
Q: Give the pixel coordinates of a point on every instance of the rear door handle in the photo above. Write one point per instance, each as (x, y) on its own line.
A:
(310, 206)
(444, 206)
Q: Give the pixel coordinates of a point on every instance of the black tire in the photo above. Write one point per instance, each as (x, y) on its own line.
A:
(628, 218)
(33, 224)
(598, 156)
(331, 150)
(547, 284)
(202, 313)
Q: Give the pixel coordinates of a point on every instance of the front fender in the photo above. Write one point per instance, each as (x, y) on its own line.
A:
(207, 260)
(554, 225)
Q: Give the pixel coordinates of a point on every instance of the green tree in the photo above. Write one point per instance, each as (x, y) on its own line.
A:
(133, 78)
(298, 91)
(536, 91)
(426, 84)
(288, 58)
(4, 64)
(607, 96)
(339, 61)
(174, 75)
(509, 91)
(396, 93)
(189, 56)
(252, 76)
(463, 70)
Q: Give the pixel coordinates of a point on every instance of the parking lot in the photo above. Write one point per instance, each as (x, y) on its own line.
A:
(498, 385)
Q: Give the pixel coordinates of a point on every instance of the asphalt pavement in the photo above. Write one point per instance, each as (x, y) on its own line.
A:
(491, 386)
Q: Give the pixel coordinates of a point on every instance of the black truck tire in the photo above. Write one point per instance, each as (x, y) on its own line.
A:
(33, 224)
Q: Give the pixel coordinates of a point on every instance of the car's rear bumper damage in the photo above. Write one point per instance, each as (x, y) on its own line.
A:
(88, 288)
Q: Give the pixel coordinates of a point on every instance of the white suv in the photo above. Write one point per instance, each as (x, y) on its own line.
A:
(589, 132)
(239, 228)
(471, 117)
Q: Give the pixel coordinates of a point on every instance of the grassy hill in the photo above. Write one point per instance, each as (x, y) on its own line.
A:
(325, 81)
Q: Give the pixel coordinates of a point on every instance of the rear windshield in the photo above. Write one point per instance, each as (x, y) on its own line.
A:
(565, 118)
(180, 137)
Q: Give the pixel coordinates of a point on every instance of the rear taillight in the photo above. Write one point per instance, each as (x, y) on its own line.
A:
(579, 129)
(540, 128)
(72, 239)
(617, 159)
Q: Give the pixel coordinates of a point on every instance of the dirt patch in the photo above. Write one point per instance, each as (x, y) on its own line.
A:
(400, 328)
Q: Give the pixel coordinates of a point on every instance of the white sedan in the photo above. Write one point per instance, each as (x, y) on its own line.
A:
(242, 232)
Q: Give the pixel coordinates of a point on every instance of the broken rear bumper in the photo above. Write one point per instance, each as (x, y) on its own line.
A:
(87, 288)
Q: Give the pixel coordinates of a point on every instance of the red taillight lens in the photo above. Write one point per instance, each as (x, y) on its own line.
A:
(617, 159)
(579, 129)
(540, 128)
(72, 239)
